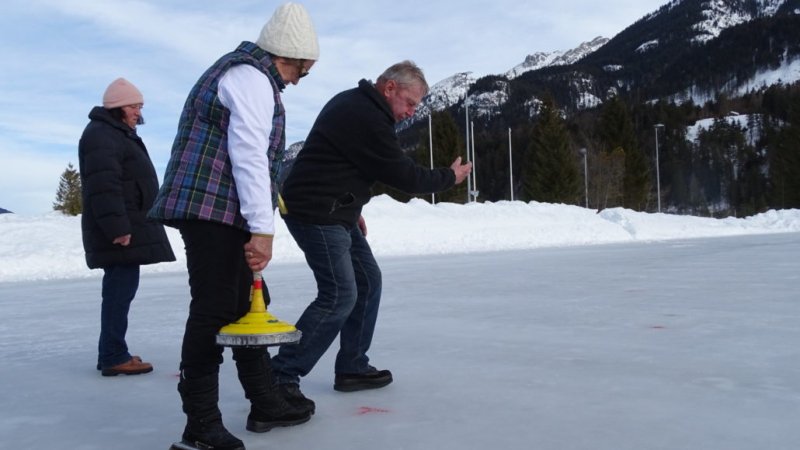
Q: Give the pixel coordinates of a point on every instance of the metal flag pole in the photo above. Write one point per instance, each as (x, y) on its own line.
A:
(466, 118)
(585, 178)
(430, 145)
(510, 167)
(658, 171)
(474, 163)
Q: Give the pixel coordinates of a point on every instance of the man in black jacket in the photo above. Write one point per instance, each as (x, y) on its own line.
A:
(352, 145)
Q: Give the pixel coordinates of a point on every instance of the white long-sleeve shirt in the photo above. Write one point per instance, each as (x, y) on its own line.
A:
(247, 93)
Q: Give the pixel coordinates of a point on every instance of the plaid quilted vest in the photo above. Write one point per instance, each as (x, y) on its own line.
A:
(198, 183)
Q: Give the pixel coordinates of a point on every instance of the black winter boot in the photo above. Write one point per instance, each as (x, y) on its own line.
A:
(268, 409)
(204, 428)
(292, 394)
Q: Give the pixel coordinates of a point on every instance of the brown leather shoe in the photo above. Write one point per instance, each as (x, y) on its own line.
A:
(136, 357)
(134, 366)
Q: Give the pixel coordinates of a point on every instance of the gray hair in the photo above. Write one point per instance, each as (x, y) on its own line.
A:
(405, 73)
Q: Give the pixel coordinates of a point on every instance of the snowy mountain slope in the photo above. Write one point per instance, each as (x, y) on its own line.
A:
(453, 89)
(444, 94)
(742, 121)
(557, 58)
(788, 72)
(720, 14)
(679, 46)
(675, 53)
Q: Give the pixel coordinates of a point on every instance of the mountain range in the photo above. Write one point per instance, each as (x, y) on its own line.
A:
(717, 81)
(686, 50)
(453, 89)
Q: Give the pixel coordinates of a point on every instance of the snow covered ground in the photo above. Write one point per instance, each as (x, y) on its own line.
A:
(506, 326)
(48, 247)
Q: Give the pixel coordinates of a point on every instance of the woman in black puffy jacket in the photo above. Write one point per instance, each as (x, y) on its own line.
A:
(119, 184)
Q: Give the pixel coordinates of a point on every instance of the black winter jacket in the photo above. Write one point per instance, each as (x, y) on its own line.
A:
(351, 146)
(119, 184)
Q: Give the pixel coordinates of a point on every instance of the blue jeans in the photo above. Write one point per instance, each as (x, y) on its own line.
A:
(349, 293)
(119, 287)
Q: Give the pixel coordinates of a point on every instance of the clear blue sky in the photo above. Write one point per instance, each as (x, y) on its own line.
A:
(59, 55)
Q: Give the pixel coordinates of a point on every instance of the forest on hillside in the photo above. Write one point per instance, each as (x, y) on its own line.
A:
(732, 168)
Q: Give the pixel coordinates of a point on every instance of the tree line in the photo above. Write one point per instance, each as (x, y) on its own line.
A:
(730, 169)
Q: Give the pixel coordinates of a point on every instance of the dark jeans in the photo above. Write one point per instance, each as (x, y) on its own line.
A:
(349, 293)
(119, 287)
(219, 282)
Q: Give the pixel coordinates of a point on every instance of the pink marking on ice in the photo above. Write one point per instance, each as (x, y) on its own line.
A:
(370, 410)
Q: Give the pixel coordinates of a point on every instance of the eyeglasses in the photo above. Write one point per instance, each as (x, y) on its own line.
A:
(301, 68)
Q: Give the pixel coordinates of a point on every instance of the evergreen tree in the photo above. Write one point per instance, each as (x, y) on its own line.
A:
(676, 155)
(605, 178)
(750, 196)
(722, 151)
(784, 167)
(637, 179)
(550, 172)
(68, 195)
(491, 164)
(447, 146)
(616, 133)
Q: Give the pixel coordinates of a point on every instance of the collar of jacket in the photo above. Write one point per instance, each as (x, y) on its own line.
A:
(100, 113)
(265, 58)
(369, 89)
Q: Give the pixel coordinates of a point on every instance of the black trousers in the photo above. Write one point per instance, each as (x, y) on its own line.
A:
(219, 281)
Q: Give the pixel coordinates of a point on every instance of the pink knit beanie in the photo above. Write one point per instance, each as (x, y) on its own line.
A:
(121, 93)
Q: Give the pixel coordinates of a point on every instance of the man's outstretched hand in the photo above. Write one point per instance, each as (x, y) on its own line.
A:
(461, 170)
